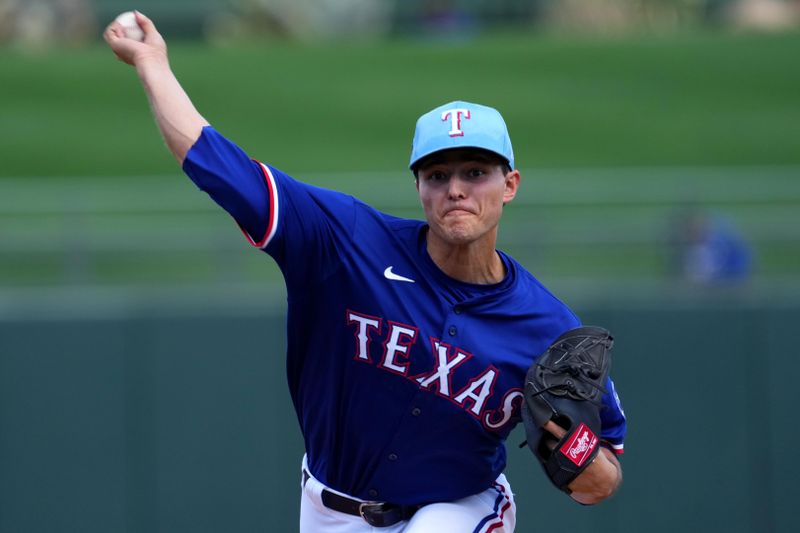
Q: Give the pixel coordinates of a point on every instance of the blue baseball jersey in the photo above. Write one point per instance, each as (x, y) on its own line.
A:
(406, 382)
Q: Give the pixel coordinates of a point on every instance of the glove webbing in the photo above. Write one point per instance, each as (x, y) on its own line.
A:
(574, 370)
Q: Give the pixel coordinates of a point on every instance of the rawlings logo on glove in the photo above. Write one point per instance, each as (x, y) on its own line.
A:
(581, 446)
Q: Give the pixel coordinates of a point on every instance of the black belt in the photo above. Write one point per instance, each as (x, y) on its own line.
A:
(376, 514)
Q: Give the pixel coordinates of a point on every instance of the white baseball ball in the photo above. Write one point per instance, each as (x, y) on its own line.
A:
(132, 29)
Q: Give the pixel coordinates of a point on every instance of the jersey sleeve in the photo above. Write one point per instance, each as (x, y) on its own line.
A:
(612, 419)
(234, 181)
(302, 227)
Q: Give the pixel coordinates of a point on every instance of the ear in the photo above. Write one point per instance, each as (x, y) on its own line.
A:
(511, 186)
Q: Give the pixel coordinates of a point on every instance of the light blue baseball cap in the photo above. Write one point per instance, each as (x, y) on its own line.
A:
(461, 125)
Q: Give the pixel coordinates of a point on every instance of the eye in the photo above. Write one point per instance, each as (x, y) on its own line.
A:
(437, 176)
(475, 172)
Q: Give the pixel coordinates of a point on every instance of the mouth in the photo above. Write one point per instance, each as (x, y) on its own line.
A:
(458, 211)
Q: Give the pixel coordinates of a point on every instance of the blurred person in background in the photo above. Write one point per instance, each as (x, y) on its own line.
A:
(709, 249)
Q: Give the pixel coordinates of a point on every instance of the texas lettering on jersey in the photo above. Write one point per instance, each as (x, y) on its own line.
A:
(472, 396)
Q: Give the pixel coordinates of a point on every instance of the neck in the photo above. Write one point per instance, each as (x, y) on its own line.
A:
(476, 262)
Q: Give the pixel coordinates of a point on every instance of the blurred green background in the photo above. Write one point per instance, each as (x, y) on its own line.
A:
(650, 136)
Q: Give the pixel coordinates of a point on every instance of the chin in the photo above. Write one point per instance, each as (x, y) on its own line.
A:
(458, 234)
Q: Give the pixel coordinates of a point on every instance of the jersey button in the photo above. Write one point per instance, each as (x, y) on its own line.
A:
(416, 411)
(393, 457)
(372, 493)
(457, 309)
(452, 331)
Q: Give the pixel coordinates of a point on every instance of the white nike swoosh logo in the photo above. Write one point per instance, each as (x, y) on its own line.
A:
(388, 274)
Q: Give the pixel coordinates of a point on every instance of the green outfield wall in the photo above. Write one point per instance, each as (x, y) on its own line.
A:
(145, 421)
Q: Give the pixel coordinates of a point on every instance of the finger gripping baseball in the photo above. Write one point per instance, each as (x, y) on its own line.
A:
(565, 385)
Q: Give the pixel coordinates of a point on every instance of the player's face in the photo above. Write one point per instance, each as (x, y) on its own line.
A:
(463, 193)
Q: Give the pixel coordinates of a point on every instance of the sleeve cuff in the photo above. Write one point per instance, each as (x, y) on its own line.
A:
(272, 225)
(617, 449)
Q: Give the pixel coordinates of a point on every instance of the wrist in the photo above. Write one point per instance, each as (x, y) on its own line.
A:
(599, 481)
(151, 63)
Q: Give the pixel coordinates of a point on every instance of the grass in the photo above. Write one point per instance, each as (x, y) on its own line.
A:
(698, 99)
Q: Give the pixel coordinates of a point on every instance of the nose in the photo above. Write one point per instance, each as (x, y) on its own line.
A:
(456, 188)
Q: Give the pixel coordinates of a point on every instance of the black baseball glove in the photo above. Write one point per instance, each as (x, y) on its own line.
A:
(565, 385)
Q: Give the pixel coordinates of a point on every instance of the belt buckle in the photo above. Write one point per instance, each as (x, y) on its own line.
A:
(366, 510)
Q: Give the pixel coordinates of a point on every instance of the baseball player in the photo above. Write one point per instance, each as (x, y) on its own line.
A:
(408, 341)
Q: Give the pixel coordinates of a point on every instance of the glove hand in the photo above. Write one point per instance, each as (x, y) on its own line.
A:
(599, 480)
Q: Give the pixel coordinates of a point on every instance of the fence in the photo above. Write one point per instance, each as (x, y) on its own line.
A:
(150, 420)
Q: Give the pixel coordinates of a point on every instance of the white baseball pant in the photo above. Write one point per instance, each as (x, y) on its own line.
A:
(492, 510)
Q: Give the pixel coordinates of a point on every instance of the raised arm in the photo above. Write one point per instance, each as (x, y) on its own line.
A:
(176, 116)
(216, 165)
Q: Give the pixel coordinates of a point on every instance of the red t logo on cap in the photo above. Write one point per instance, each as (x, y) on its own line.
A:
(455, 120)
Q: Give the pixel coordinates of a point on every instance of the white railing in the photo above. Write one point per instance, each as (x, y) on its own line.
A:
(566, 224)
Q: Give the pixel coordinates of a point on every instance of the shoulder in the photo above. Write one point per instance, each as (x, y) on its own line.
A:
(533, 294)
(323, 195)
(401, 225)
(375, 231)
(360, 216)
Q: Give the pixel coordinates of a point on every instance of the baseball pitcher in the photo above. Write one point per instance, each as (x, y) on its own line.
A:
(414, 346)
